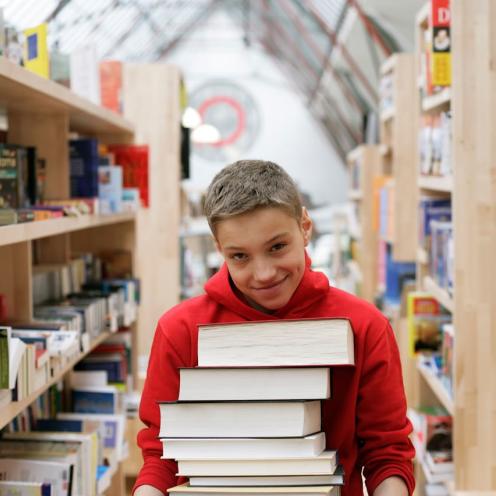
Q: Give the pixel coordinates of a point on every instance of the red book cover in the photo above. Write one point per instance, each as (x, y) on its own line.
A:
(134, 161)
(111, 84)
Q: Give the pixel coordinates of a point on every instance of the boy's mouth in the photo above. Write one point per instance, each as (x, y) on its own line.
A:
(271, 286)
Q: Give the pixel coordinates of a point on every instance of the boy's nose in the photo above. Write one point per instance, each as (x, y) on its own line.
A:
(264, 272)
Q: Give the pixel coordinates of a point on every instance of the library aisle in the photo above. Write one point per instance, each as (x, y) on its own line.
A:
(114, 119)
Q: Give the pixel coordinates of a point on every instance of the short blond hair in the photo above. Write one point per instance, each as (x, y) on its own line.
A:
(247, 185)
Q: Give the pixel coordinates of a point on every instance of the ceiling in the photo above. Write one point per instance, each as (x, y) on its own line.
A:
(332, 49)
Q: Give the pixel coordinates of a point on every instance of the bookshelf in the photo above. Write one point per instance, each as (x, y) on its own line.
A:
(365, 163)
(42, 113)
(398, 136)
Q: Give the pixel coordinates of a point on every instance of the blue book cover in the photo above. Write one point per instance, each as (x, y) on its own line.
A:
(110, 188)
(58, 425)
(84, 167)
(84, 401)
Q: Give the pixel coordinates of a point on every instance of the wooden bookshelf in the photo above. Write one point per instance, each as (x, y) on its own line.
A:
(437, 102)
(24, 91)
(441, 295)
(16, 407)
(29, 231)
(436, 183)
(369, 161)
(398, 137)
(437, 387)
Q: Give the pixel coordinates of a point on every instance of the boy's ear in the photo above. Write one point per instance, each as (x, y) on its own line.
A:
(306, 225)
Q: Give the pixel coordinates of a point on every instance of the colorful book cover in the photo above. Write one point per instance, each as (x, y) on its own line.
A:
(36, 50)
(425, 317)
(110, 188)
(111, 84)
(441, 43)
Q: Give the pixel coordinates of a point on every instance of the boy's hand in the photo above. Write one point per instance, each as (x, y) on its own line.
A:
(147, 491)
(392, 486)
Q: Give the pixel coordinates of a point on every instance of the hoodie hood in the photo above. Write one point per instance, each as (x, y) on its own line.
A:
(312, 288)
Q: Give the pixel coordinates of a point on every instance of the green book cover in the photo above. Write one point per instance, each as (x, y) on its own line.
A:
(4, 357)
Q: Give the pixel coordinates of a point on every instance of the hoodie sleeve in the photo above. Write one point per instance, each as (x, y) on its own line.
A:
(382, 425)
(162, 384)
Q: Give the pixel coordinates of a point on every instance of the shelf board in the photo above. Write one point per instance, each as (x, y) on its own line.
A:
(388, 114)
(355, 195)
(16, 407)
(17, 233)
(439, 293)
(435, 103)
(388, 65)
(22, 90)
(422, 256)
(437, 388)
(385, 150)
(436, 183)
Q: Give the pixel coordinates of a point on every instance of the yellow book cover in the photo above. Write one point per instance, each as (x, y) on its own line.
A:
(36, 50)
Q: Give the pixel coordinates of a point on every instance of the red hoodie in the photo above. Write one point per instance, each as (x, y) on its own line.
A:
(366, 418)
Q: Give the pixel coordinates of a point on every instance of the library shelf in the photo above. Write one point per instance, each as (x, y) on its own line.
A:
(17, 233)
(441, 295)
(422, 256)
(22, 90)
(436, 183)
(437, 387)
(355, 195)
(435, 103)
(16, 407)
(388, 114)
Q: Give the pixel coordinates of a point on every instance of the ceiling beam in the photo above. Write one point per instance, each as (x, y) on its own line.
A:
(310, 8)
(373, 32)
(57, 10)
(288, 8)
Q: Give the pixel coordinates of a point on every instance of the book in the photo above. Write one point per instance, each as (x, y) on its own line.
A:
(84, 167)
(239, 419)
(188, 490)
(440, 462)
(325, 463)
(84, 70)
(110, 188)
(20, 488)
(336, 479)
(278, 342)
(57, 474)
(264, 383)
(36, 57)
(240, 448)
(111, 84)
(5, 337)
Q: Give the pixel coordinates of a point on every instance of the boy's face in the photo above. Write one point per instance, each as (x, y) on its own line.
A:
(265, 254)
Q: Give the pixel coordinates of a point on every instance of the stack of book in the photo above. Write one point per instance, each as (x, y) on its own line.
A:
(248, 418)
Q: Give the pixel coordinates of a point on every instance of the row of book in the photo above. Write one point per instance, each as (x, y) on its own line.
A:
(432, 438)
(64, 445)
(435, 142)
(104, 180)
(81, 71)
(249, 415)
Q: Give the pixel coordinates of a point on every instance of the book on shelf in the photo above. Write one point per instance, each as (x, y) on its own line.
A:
(425, 318)
(335, 479)
(36, 57)
(111, 84)
(83, 156)
(239, 419)
(95, 399)
(240, 448)
(85, 77)
(188, 490)
(22, 488)
(279, 342)
(263, 383)
(110, 188)
(441, 257)
(440, 462)
(440, 19)
(325, 463)
(56, 475)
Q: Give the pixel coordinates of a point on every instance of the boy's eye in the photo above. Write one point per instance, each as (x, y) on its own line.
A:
(238, 256)
(278, 246)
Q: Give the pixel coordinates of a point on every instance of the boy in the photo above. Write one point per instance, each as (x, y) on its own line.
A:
(261, 229)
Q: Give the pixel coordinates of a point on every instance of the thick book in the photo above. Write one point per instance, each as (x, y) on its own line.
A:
(188, 490)
(239, 419)
(264, 383)
(324, 464)
(243, 448)
(323, 342)
(336, 479)
(19, 488)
